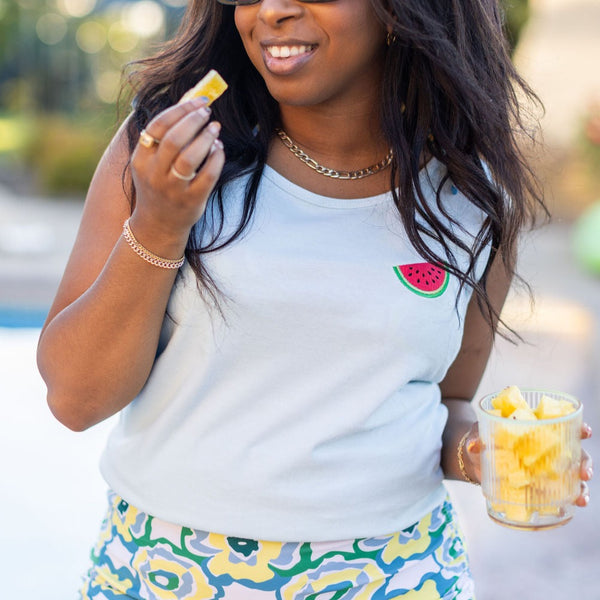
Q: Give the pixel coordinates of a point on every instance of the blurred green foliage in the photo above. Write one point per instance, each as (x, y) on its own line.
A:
(516, 15)
(63, 152)
(60, 76)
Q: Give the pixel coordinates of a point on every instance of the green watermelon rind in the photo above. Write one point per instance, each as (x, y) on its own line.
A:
(434, 294)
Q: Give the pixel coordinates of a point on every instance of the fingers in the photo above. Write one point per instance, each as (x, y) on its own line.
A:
(211, 169)
(188, 160)
(177, 142)
(586, 431)
(472, 446)
(180, 136)
(159, 125)
(586, 471)
(584, 496)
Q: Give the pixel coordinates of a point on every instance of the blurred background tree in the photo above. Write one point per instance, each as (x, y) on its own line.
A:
(516, 15)
(60, 75)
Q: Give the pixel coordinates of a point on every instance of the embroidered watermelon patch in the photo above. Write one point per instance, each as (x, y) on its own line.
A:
(425, 279)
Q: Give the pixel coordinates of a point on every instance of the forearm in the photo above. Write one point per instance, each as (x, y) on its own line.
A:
(96, 354)
(461, 419)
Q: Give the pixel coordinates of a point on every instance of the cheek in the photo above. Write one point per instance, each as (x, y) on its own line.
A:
(244, 20)
(238, 19)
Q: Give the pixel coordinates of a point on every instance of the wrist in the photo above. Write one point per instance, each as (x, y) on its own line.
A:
(464, 458)
(158, 239)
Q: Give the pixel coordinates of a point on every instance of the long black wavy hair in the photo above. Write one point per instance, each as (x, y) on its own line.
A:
(449, 90)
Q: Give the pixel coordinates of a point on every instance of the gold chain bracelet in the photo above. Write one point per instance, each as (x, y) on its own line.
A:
(143, 252)
(461, 462)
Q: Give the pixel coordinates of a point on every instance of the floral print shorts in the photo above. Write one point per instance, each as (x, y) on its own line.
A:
(141, 557)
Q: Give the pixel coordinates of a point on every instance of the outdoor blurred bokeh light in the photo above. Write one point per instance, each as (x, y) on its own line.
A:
(61, 64)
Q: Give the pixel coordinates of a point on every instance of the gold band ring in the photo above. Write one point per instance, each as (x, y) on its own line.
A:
(181, 176)
(147, 140)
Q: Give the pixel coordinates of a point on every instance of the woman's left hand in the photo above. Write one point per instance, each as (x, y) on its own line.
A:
(472, 453)
(586, 471)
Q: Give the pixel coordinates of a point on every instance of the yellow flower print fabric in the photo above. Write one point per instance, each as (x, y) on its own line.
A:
(143, 558)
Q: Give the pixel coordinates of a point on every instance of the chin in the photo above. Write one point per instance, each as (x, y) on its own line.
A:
(295, 96)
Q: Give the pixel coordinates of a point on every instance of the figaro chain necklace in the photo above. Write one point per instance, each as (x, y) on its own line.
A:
(326, 171)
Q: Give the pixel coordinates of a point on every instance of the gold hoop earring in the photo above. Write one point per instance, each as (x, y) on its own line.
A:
(390, 38)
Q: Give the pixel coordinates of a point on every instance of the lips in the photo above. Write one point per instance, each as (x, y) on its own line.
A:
(285, 58)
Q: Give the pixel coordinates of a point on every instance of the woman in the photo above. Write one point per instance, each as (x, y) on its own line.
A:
(293, 396)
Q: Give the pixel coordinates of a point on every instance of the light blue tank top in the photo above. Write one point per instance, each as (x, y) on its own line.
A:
(309, 407)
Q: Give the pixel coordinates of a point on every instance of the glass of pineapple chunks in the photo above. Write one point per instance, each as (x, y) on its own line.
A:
(530, 457)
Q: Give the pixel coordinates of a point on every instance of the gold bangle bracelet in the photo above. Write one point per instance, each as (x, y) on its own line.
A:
(143, 252)
(461, 462)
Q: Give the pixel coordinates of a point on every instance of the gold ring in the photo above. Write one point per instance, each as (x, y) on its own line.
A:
(147, 140)
(182, 176)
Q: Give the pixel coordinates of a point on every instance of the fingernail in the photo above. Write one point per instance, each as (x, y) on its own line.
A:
(200, 100)
(589, 472)
(586, 499)
(214, 128)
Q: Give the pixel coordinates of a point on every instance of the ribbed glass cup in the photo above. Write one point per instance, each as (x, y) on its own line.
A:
(530, 469)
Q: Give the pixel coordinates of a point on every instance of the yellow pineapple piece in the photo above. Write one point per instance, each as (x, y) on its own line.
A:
(505, 460)
(522, 413)
(508, 400)
(512, 495)
(212, 85)
(551, 408)
(495, 411)
(513, 503)
(507, 437)
(517, 512)
(518, 478)
(536, 445)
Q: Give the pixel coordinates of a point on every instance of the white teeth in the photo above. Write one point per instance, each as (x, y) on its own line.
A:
(287, 51)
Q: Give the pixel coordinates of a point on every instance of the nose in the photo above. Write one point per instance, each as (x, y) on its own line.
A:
(275, 12)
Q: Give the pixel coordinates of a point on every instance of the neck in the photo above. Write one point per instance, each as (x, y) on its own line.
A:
(345, 140)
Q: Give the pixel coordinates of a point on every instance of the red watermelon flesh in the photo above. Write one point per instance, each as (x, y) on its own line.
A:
(425, 279)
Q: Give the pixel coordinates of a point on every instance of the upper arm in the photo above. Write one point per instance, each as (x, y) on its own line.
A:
(465, 373)
(106, 208)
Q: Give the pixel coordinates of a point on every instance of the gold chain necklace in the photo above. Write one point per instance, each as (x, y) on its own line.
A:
(326, 171)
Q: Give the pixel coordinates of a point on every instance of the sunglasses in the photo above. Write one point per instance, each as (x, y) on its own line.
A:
(248, 2)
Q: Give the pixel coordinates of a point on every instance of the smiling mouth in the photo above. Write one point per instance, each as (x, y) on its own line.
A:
(288, 51)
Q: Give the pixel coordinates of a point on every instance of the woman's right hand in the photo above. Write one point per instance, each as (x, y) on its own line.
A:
(167, 203)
